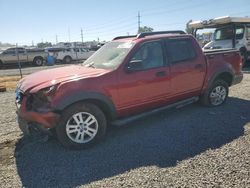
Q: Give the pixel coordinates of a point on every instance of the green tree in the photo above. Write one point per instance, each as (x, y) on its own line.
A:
(145, 29)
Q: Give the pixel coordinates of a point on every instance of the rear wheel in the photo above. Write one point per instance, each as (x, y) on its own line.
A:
(67, 59)
(38, 61)
(81, 126)
(216, 95)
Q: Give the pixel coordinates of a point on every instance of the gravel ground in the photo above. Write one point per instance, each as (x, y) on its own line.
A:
(193, 146)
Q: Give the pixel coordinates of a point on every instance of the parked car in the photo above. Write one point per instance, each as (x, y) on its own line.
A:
(11, 55)
(71, 54)
(127, 78)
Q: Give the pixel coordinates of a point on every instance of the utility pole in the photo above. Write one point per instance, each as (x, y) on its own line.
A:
(82, 35)
(18, 61)
(69, 34)
(56, 39)
(139, 21)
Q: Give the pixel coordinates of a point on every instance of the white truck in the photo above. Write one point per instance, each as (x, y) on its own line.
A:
(230, 32)
(13, 55)
(71, 54)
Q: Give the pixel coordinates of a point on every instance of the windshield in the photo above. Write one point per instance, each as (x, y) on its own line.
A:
(227, 33)
(110, 56)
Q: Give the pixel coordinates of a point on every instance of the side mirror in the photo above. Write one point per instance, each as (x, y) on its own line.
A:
(134, 65)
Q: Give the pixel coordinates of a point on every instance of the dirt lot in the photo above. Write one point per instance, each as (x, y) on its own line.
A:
(190, 147)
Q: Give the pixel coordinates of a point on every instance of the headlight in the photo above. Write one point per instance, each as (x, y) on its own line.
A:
(49, 90)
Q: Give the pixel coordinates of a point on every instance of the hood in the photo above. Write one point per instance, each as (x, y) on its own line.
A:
(47, 78)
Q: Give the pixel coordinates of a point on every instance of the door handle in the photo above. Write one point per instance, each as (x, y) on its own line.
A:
(198, 66)
(160, 74)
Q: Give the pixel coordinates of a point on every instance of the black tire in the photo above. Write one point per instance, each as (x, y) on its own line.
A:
(206, 98)
(62, 130)
(67, 59)
(38, 61)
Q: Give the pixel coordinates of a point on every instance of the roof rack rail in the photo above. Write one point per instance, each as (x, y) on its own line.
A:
(123, 37)
(141, 35)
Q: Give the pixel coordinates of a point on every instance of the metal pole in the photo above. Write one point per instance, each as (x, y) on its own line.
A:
(18, 60)
(82, 36)
(139, 21)
(234, 36)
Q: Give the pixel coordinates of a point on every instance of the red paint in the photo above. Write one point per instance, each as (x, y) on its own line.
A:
(137, 91)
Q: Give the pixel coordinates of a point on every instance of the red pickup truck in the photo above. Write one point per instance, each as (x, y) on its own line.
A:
(128, 78)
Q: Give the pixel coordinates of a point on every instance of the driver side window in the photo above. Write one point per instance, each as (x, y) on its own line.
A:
(150, 55)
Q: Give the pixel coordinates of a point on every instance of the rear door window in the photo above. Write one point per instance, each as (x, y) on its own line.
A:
(180, 50)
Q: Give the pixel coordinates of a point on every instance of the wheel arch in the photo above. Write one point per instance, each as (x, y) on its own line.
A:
(225, 76)
(100, 100)
(67, 56)
(37, 57)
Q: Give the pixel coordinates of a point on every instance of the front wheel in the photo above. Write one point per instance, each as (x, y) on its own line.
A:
(81, 126)
(216, 95)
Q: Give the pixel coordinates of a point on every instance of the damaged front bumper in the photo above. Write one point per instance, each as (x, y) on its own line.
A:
(32, 119)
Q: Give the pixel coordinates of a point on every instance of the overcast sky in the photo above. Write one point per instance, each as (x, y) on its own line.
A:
(24, 21)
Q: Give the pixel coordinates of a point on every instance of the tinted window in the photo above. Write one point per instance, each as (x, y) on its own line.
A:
(150, 54)
(10, 51)
(180, 50)
(21, 51)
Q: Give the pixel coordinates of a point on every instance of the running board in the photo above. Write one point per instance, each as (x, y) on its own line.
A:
(177, 105)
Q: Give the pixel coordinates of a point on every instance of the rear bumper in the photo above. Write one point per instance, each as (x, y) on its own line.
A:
(237, 78)
(46, 120)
